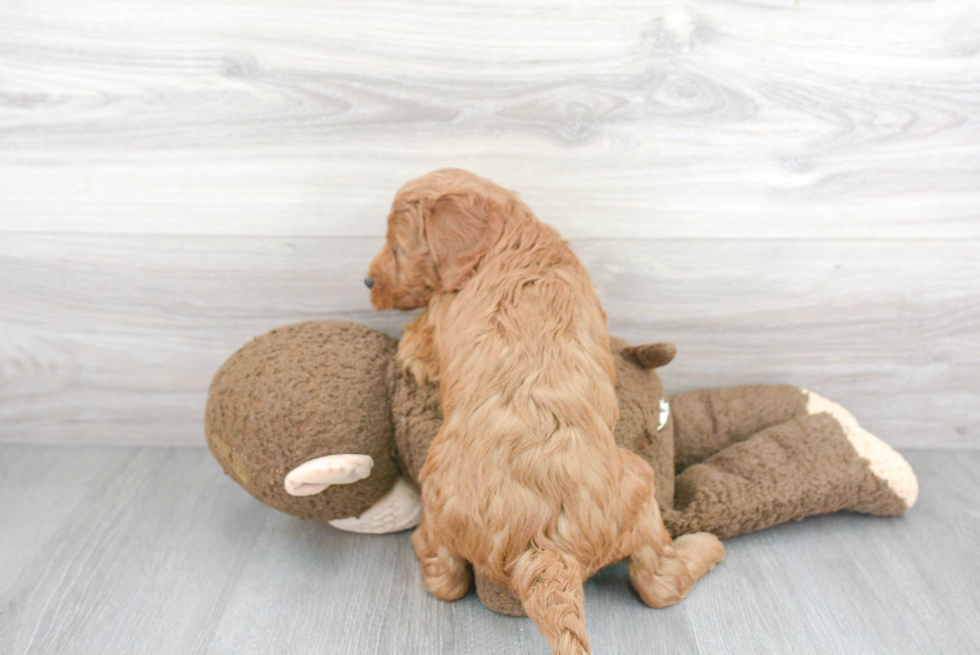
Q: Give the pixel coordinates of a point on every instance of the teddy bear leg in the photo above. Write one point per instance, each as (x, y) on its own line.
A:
(817, 463)
(446, 576)
(496, 597)
(708, 420)
(891, 472)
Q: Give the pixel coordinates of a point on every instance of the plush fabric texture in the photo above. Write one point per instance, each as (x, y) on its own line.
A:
(417, 417)
(712, 419)
(326, 387)
(497, 597)
(777, 462)
(301, 392)
(639, 392)
(747, 457)
(885, 464)
(789, 471)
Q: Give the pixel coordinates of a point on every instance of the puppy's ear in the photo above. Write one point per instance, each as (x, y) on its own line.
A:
(461, 228)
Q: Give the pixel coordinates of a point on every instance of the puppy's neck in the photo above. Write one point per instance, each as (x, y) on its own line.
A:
(537, 245)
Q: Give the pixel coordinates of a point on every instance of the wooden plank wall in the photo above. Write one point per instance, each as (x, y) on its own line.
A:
(788, 189)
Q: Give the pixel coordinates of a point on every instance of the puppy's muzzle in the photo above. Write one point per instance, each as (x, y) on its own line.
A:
(368, 282)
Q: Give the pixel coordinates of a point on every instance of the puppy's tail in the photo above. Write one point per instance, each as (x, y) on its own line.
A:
(549, 585)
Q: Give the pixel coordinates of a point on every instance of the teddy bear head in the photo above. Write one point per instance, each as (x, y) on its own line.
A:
(326, 398)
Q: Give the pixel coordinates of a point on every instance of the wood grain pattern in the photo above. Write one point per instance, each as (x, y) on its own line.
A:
(124, 550)
(701, 119)
(786, 188)
(115, 338)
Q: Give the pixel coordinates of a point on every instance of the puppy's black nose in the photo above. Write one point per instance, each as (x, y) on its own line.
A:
(368, 282)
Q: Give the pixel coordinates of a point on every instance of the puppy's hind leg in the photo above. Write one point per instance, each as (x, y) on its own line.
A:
(446, 576)
(663, 572)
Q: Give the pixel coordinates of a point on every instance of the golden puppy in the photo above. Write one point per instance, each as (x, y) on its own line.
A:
(524, 480)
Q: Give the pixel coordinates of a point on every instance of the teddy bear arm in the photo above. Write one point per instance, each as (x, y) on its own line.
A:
(817, 462)
(709, 420)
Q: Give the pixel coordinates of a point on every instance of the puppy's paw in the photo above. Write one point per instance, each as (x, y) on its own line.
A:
(422, 371)
(446, 576)
(700, 552)
(417, 356)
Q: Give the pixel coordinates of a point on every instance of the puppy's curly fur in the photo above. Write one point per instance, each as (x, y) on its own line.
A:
(524, 480)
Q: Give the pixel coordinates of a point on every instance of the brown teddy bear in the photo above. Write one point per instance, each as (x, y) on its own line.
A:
(316, 420)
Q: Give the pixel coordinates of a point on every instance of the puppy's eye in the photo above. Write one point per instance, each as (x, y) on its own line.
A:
(394, 251)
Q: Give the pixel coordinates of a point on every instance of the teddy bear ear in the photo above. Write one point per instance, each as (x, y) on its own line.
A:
(316, 475)
(650, 355)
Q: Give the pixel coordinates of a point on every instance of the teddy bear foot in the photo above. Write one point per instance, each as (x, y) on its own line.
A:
(399, 509)
(885, 464)
(497, 597)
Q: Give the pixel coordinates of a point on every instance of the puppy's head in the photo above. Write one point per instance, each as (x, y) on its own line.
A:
(440, 226)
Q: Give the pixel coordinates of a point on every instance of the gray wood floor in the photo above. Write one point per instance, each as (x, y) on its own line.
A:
(131, 550)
